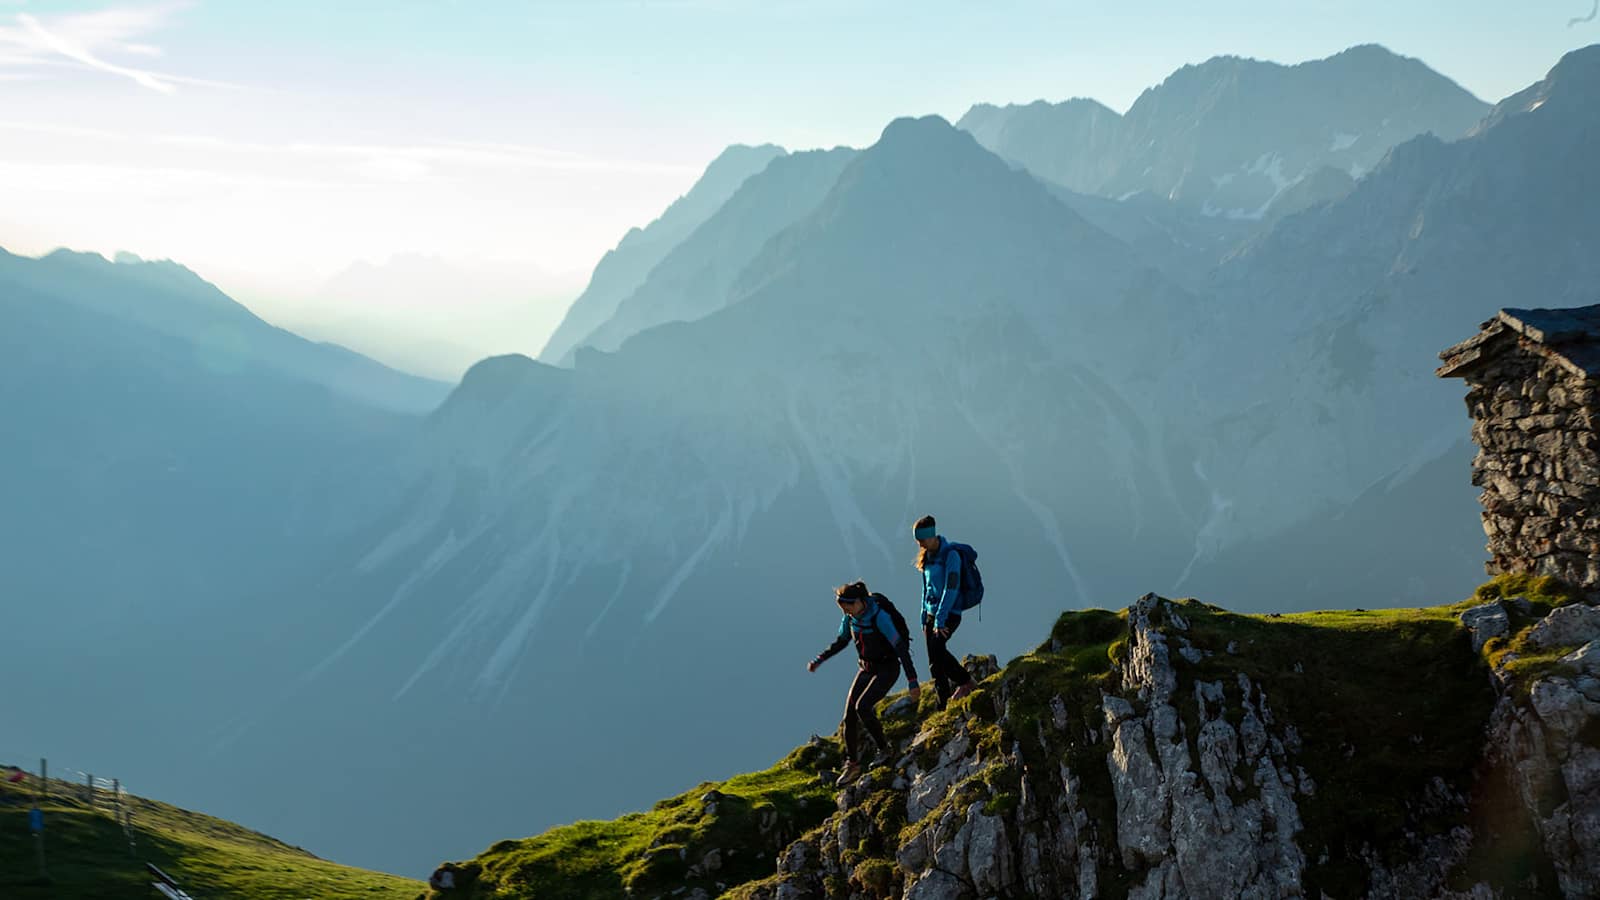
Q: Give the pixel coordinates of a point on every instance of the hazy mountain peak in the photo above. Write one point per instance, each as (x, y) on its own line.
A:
(1077, 104)
(739, 155)
(918, 147)
(696, 277)
(919, 131)
(69, 255)
(500, 370)
(497, 393)
(1580, 67)
(1572, 85)
(622, 270)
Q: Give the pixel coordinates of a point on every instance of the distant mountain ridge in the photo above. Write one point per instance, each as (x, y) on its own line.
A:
(1231, 135)
(622, 270)
(168, 298)
(696, 278)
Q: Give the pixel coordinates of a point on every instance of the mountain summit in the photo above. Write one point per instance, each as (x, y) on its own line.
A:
(1231, 135)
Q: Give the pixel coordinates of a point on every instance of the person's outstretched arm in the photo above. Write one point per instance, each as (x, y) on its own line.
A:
(839, 642)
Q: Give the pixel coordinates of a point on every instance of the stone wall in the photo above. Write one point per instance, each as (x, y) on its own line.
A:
(1538, 463)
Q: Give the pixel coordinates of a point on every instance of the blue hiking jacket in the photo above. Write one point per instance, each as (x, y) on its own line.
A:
(941, 584)
(872, 625)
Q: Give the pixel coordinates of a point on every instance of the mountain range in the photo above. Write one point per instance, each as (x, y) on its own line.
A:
(1232, 137)
(1107, 389)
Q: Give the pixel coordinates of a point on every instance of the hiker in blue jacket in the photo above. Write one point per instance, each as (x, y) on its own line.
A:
(881, 650)
(941, 614)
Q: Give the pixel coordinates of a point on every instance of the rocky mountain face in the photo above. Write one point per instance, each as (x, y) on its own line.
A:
(1072, 144)
(1233, 137)
(622, 270)
(1175, 750)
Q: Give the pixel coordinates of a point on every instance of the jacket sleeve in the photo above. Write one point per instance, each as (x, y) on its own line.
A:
(951, 587)
(839, 641)
(901, 644)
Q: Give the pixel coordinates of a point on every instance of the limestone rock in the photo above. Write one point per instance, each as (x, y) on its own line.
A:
(1484, 622)
(1567, 626)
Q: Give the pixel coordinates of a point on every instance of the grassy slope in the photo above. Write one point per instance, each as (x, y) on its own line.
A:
(756, 816)
(1385, 702)
(88, 856)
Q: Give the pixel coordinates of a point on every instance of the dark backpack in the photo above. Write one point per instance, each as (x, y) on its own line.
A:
(895, 617)
(971, 579)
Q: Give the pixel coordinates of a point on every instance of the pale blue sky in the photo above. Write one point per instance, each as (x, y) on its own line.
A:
(270, 144)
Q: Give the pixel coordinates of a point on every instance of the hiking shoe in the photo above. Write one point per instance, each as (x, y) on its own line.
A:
(851, 772)
(881, 759)
(962, 691)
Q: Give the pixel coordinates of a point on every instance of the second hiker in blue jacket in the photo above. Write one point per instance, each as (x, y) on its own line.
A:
(881, 652)
(941, 615)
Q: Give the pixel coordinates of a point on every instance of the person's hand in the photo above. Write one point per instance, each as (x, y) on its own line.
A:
(943, 633)
(812, 666)
(916, 692)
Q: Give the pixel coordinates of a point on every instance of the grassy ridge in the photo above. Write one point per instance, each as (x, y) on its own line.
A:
(749, 819)
(88, 856)
(1389, 705)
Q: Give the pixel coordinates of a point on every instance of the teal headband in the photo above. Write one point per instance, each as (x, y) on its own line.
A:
(925, 532)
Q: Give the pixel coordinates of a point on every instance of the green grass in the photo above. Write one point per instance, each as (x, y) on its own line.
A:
(655, 851)
(87, 855)
(1513, 653)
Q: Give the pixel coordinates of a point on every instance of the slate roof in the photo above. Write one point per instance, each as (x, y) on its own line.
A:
(1569, 336)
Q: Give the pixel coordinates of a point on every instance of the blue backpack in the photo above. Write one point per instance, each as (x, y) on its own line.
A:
(971, 579)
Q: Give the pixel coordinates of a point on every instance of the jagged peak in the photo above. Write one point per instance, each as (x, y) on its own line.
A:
(739, 157)
(1364, 58)
(1087, 105)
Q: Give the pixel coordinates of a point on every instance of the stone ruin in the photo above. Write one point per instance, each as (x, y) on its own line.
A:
(1532, 376)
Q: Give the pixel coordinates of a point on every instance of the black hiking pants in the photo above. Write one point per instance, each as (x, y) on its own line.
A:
(871, 685)
(948, 673)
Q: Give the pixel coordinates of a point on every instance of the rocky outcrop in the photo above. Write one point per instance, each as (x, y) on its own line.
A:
(1544, 746)
(1210, 813)
(1167, 784)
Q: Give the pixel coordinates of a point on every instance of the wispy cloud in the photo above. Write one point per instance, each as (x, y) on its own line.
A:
(1594, 10)
(35, 45)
